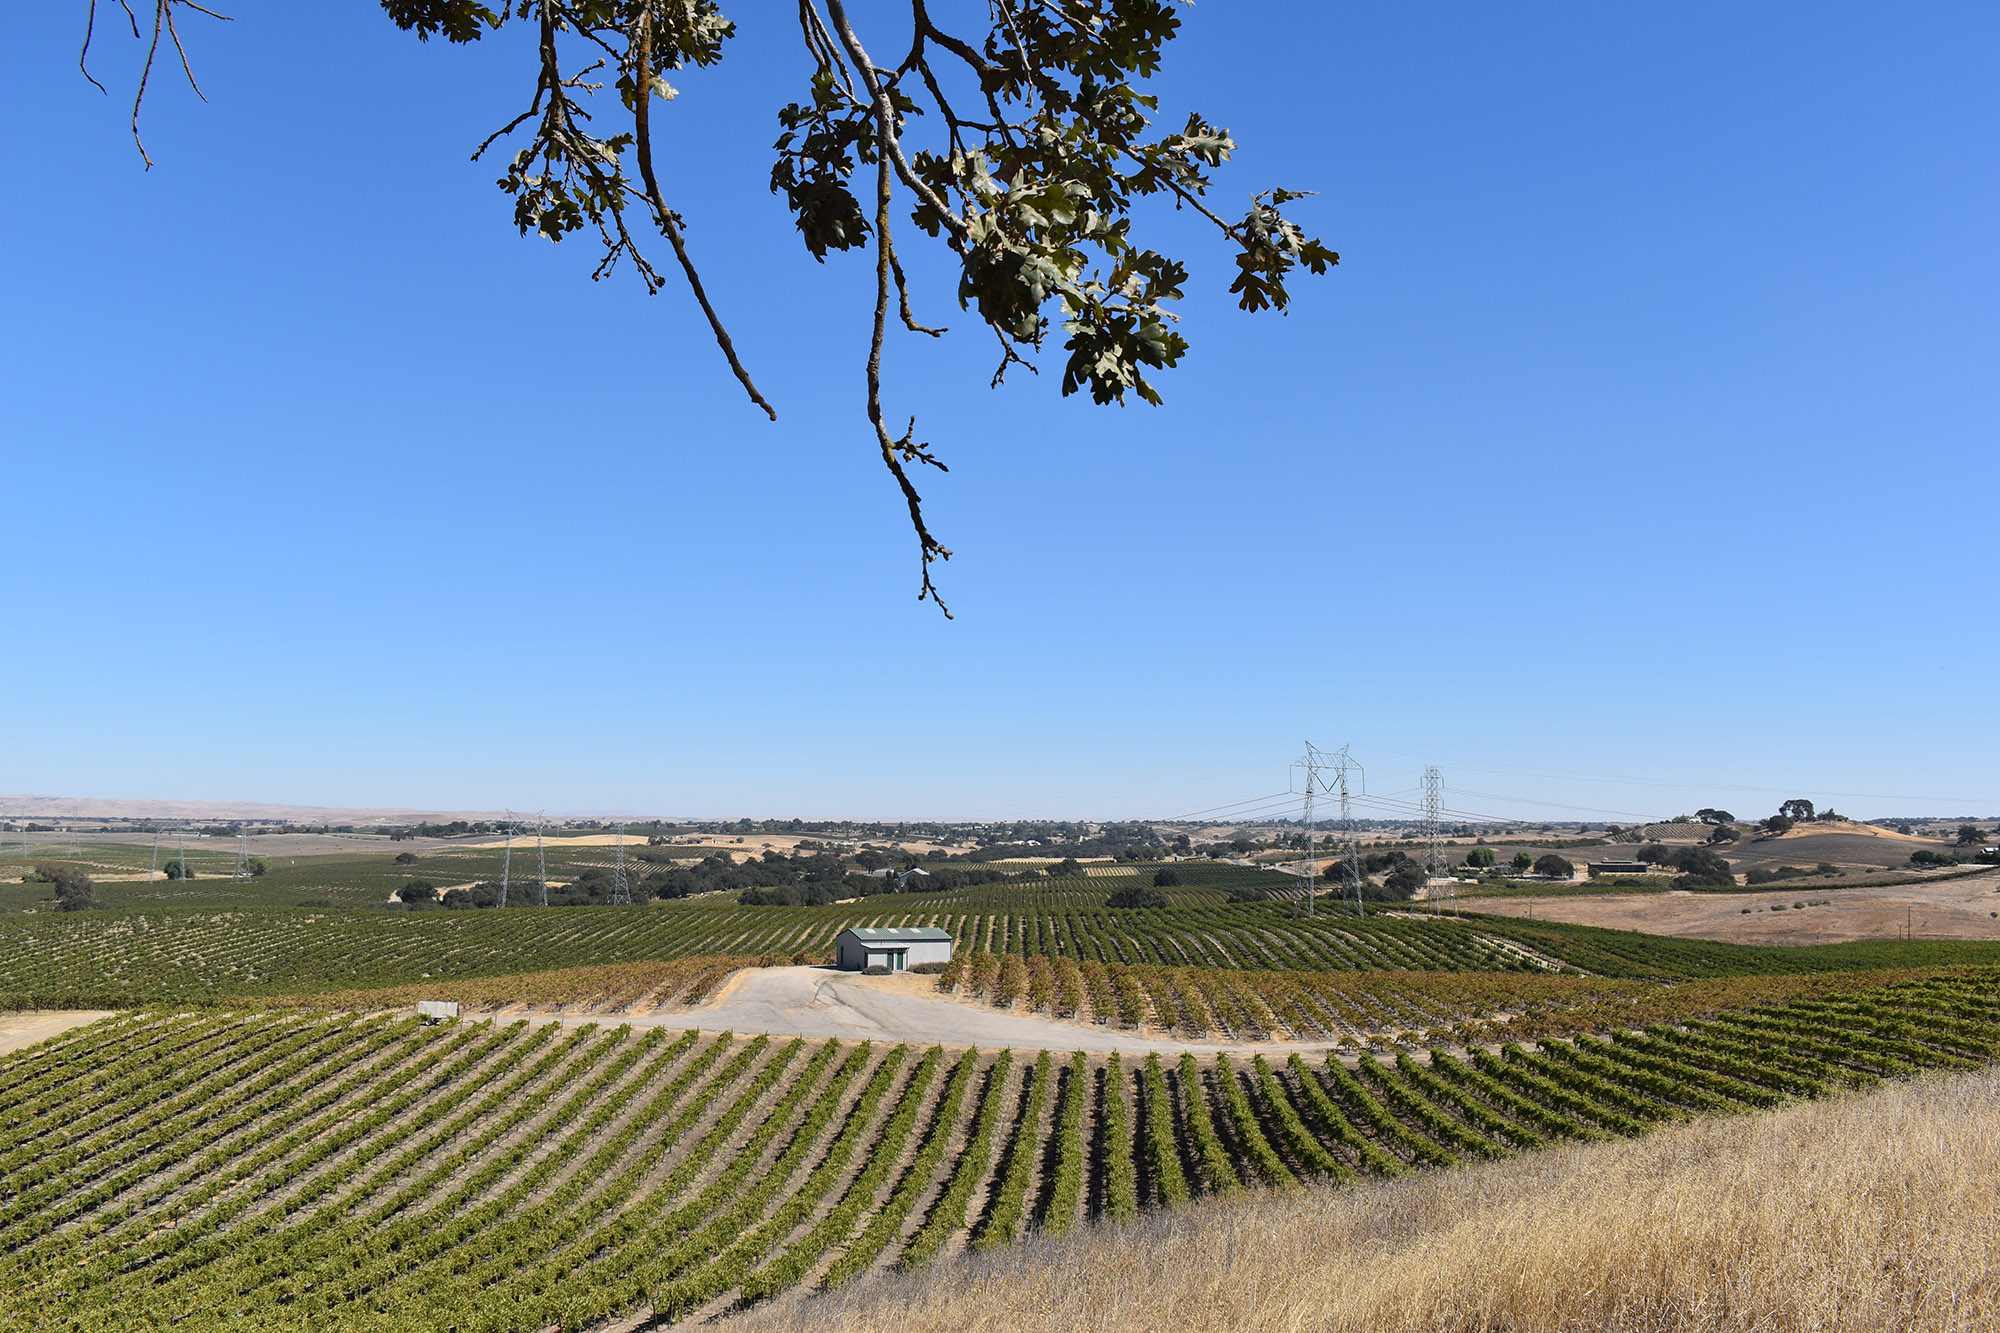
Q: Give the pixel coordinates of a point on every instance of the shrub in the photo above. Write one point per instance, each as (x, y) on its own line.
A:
(418, 891)
(1247, 893)
(406, 858)
(1136, 897)
(929, 969)
(1924, 856)
(1166, 879)
(875, 971)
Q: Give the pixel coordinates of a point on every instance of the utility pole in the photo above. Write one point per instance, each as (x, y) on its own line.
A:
(621, 888)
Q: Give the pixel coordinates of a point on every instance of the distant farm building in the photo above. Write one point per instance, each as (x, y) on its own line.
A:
(1622, 868)
(898, 948)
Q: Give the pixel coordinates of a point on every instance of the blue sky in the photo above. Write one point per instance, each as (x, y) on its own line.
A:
(1639, 455)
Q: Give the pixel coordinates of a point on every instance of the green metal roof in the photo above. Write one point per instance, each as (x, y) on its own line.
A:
(896, 934)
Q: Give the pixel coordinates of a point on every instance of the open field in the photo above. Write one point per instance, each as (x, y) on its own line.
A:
(326, 1172)
(1959, 908)
(1857, 1215)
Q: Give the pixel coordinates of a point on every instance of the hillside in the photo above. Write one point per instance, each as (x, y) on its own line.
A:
(326, 1171)
(1860, 1214)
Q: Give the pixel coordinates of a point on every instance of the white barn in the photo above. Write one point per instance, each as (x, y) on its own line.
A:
(897, 948)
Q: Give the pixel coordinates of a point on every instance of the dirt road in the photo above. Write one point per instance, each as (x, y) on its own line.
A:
(1954, 909)
(18, 1030)
(825, 1002)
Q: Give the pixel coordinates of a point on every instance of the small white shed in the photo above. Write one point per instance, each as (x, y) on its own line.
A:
(898, 948)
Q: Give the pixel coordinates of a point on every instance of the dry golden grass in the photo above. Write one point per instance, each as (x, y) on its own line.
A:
(1875, 1212)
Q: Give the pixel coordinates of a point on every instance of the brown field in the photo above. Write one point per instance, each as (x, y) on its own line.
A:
(1860, 1214)
(1954, 909)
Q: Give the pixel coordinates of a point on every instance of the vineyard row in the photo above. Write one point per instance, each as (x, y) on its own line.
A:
(305, 1171)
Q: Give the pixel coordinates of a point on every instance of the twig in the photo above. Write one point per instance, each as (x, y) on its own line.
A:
(894, 452)
(668, 220)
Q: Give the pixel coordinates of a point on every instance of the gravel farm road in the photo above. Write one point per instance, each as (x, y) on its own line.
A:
(826, 1002)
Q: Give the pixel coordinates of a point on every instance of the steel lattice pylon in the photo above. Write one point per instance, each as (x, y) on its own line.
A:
(621, 888)
(1433, 834)
(1316, 761)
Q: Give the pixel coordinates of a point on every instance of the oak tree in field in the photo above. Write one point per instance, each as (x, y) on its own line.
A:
(1018, 135)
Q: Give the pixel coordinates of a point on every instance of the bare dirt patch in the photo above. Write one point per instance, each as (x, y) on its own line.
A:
(19, 1030)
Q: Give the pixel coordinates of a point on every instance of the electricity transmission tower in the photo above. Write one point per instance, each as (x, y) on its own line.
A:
(541, 865)
(74, 848)
(242, 874)
(507, 859)
(1433, 833)
(621, 888)
(1316, 763)
(153, 870)
(1309, 783)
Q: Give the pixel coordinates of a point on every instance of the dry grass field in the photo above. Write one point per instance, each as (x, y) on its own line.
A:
(1946, 909)
(1864, 1213)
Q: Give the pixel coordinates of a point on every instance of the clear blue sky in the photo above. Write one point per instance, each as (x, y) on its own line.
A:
(1639, 456)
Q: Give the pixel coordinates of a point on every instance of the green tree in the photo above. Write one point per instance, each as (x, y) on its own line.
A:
(1068, 868)
(1480, 858)
(1019, 141)
(1166, 879)
(74, 890)
(1136, 896)
(1970, 835)
(259, 867)
(418, 891)
(1708, 814)
(1778, 824)
(1550, 866)
(1798, 810)
(175, 870)
(1405, 879)
(1723, 833)
(1524, 861)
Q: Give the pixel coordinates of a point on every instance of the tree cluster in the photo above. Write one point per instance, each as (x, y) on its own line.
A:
(74, 889)
(1699, 867)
